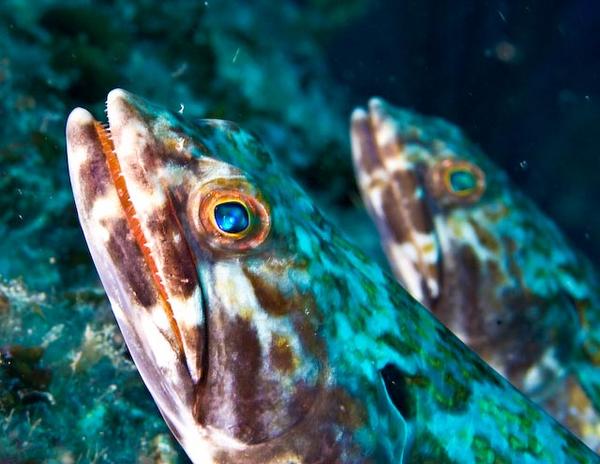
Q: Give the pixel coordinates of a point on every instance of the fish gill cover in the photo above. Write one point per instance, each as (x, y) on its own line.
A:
(518, 77)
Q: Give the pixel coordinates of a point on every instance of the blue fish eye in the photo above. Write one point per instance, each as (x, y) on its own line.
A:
(462, 181)
(232, 217)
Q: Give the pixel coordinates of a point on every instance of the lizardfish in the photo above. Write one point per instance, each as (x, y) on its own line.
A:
(473, 249)
(262, 334)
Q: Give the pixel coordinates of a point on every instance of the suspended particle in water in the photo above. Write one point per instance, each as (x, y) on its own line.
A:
(180, 70)
(505, 51)
(524, 165)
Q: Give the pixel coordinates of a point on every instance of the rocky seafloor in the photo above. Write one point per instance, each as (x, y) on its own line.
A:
(69, 393)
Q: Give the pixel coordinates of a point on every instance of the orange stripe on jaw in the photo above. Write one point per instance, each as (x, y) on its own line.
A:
(135, 226)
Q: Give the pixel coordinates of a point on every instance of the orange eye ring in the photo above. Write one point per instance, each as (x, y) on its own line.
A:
(457, 181)
(255, 216)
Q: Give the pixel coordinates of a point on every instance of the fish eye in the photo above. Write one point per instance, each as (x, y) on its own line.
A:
(229, 215)
(232, 217)
(457, 181)
(461, 181)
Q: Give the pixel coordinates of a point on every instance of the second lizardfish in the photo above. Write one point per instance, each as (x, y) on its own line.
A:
(484, 259)
(262, 334)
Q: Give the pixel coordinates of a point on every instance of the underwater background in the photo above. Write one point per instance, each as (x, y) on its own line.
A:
(522, 78)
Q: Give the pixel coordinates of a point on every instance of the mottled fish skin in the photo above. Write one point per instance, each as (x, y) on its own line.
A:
(483, 258)
(281, 343)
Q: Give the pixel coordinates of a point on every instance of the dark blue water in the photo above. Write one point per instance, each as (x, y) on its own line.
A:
(521, 77)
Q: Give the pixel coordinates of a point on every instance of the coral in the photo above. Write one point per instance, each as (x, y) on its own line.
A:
(68, 390)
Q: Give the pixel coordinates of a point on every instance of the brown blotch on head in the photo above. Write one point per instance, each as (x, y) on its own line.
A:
(271, 299)
(458, 305)
(238, 375)
(362, 133)
(326, 436)
(392, 212)
(409, 185)
(244, 341)
(95, 180)
(242, 396)
(180, 277)
(281, 355)
(404, 212)
(94, 175)
(127, 258)
(485, 238)
(528, 341)
(470, 280)
(138, 173)
(495, 274)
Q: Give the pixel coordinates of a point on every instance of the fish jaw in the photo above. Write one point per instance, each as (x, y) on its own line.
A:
(391, 187)
(164, 330)
(153, 218)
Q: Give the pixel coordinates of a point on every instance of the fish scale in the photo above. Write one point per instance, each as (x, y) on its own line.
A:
(307, 352)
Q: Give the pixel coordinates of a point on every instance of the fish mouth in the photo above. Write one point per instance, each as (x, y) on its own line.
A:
(395, 194)
(135, 235)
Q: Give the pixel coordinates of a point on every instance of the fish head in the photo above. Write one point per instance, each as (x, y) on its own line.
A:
(206, 272)
(464, 241)
(442, 208)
